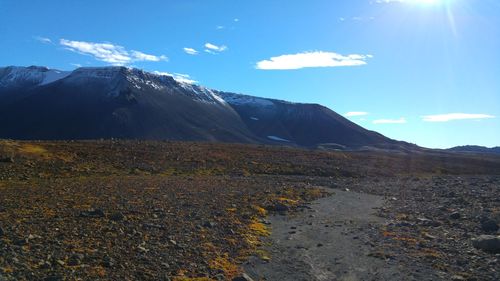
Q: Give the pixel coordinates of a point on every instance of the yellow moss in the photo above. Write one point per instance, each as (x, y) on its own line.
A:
(225, 264)
(7, 269)
(32, 149)
(261, 211)
(259, 228)
(98, 271)
(287, 200)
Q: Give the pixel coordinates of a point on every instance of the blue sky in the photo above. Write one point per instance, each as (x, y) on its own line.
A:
(423, 71)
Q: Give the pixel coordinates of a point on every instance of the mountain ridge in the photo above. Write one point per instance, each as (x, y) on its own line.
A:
(475, 149)
(121, 102)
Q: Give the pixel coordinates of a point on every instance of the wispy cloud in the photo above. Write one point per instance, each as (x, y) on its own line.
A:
(110, 53)
(44, 40)
(390, 121)
(355, 113)
(179, 77)
(312, 59)
(76, 65)
(190, 51)
(213, 49)
(236, 20)
(219, 27)
(455, 116)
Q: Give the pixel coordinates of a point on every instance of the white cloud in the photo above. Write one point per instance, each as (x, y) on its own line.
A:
(76, 65)
(179, 77)
(355, 113)
(455, 116)
(312, 59)
(140, 56)
(190, 51)
(236, 20)
(219, 27)
(390, 121)
(211, 48)
(107, 52)
(44, 40)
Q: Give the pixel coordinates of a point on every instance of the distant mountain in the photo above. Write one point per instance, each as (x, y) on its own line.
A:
(476, 149)
(119, 102)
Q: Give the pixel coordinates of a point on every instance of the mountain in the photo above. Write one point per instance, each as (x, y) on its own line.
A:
(475, 149)
(120, 102)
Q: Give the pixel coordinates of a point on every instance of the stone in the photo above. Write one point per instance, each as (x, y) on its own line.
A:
(489, 225)
(2, 232)
(92, 213)
(278, 207)
(6, 160)
(75, 259)
(242, 277)
(117, 216)
(487, 243)
(53, 278)
(209, 224)
(455, 216)
(21, 242)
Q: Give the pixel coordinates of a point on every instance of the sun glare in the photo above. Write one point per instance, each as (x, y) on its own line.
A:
(430, 2)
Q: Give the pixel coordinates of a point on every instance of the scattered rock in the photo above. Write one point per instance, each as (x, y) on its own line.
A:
(487, 243)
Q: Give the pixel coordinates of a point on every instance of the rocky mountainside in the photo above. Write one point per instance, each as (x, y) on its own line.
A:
(475, 149)
(119, 102)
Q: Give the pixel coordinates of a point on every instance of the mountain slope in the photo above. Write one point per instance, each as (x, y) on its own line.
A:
(304, 124)
(120, 102)
(475, 149)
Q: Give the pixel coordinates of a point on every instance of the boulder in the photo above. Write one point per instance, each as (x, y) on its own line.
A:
(92, 213)
(487, 243)
(489, 225)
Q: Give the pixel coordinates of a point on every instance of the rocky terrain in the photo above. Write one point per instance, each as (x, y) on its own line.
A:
(129, 210)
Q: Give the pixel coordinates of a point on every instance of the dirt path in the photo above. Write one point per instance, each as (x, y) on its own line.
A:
(329, 242)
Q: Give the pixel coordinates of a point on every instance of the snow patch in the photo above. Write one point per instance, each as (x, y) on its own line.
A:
(54, 75)
(254, 118)
(243, 100)
(275, 138)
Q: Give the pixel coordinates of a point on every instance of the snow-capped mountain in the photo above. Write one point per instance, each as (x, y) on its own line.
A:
(14, 76)
(119, 102)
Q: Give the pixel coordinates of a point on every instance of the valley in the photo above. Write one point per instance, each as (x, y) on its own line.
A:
(128, 210)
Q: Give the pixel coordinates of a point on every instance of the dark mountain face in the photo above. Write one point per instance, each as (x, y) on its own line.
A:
(303, 124)
(119, 102)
